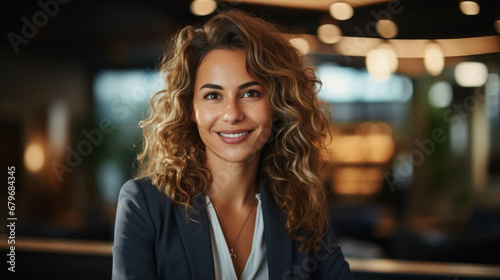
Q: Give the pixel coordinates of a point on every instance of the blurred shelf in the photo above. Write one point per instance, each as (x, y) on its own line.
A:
(388, 266)
(371, 266)
(79, 247)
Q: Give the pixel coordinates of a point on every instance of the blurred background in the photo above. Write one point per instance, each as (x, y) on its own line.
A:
(414, 170)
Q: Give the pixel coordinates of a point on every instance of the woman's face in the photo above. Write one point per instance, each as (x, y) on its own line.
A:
(230, 107)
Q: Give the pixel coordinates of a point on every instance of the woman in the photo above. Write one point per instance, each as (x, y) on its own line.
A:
(230, 162)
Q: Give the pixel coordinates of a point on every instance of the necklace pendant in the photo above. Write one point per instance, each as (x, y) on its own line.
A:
(232, 254)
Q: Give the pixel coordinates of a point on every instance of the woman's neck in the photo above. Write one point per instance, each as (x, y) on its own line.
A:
(233, 184)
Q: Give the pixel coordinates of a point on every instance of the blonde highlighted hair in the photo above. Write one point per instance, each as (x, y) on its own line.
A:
(173, 154)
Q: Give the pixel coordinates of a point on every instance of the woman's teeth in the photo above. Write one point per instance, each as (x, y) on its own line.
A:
(233, 135)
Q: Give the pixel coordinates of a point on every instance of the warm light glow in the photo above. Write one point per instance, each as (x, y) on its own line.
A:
(363, 128)
(433, 59)
(370, 143)
(381, 62)
(347, 180)
(412, 48)
(382, 148)
(380, 141)
(301, 44)
(391, 56)
(317, 5)
(471, 74)
(469, 8)
(34, 157)
(381, 127)
(373, 180)
(349, 149)
(497, 25)
(329, 33)
(357, 181)
(341, 11)
(440, 94)
(387, 28)
(203, 7)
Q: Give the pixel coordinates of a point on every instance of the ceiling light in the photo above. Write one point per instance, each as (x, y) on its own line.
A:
(471, 74)
(433, 59)
(387, 28)
(413, 48)
(381, 62)
(203, 7)
(469, 8)
(341, 11)
(329, 33)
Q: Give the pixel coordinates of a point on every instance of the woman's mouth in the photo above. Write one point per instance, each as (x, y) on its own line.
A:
(234, 137)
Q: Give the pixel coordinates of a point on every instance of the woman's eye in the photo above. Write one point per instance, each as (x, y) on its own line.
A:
(212, 95)
(251, 93)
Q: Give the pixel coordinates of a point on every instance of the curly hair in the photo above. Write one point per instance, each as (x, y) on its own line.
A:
(173, 154)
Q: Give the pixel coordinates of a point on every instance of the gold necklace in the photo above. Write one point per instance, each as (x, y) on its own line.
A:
(231, 249)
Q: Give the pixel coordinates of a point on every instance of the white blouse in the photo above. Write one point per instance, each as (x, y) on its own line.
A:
(256, 266)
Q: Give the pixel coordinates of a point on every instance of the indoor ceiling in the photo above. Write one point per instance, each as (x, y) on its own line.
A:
(131, 32)
(321, 5)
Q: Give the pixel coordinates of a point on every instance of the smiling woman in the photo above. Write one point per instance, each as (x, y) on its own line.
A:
(229, 187)
(233, 115)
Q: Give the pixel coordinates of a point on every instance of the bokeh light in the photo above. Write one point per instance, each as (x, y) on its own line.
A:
(433, 59)
(382, 62)
(440, 94)
(329, 33)
(341, 11)
(34, 157)
(471, 74)
(203, 7)
(469, 8)
(387, 28)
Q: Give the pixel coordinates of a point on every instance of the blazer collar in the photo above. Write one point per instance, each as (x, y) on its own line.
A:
(198, 244)
(279, 246)
(196, 239)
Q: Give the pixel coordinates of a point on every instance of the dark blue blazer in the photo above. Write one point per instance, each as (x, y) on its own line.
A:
(155, 240)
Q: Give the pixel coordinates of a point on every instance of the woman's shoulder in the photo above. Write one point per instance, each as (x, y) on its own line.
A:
(138, 186)
(142, 191)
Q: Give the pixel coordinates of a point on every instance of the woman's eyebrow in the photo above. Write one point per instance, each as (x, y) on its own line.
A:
(212, 86)
(249, 84)
(245, 85)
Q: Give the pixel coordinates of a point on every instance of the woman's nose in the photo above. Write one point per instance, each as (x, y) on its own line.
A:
(233, 112)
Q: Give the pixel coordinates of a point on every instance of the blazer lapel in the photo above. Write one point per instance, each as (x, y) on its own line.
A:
(279, 245)
(196, 239)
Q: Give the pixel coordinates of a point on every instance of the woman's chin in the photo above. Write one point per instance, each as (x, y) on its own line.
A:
(240, 157)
